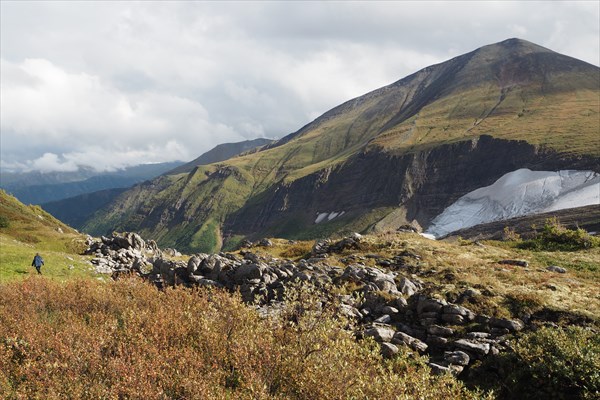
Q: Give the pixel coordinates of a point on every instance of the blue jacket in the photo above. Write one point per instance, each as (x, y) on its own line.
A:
(37, 261)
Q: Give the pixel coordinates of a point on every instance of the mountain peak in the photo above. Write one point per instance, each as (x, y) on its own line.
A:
(515, 46)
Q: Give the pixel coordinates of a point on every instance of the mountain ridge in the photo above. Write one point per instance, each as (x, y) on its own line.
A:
(536, 108)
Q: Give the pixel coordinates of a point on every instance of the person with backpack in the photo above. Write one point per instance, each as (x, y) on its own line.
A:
(37, 262)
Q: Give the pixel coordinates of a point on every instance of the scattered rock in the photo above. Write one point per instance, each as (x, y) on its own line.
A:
(555, 268)
(391, 313)
(265, 243)
(413, 343)
(440, 330)
(429, 305)
(320, 247)
(384, 319)
(457, 357)
(438, 369)
(407, 229)
(518, 263)
(407, 287)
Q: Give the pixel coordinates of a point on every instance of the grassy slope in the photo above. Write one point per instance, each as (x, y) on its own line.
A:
(31, 230)
(530, 98)
(450, 267)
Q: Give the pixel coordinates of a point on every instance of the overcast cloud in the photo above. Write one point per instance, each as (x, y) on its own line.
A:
(112, 84)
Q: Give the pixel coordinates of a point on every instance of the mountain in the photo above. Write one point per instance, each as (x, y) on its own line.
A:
(39, 187)
(399, 154)
(221, 152)
(78, 209)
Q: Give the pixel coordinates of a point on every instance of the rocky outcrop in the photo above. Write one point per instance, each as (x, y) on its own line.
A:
(122, 253)
(386, 305)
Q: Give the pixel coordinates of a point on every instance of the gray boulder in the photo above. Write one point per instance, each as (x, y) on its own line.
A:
(379, 333)
(457, 357)
(407, 287)
(194, 263)
(388, 350)
(480, 349)
(557, 269)
(247, 272)
(412, 342)
(510, 324)
(440, 330)
(425, 305)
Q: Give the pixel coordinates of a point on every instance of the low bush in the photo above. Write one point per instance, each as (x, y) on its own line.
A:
(551, 363)
(125, 339)
(556, 237)
(297, 250)
(4, 222)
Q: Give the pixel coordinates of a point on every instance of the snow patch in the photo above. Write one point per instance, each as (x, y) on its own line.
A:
(321, 217)
(329, 215)
(518, 193)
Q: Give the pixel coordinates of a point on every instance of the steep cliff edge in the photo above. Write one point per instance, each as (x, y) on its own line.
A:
(422, 184)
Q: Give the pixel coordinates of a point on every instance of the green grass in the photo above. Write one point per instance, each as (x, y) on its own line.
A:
(16, 257)
(30, 230)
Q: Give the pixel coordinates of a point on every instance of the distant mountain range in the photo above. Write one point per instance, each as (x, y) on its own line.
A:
(42, 187)
(221, 152)
(399, 154)
(76, 210)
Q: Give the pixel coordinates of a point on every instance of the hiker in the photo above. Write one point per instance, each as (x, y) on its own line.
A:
(37, 262)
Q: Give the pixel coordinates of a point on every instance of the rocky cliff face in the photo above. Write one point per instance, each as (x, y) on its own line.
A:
(422, 183)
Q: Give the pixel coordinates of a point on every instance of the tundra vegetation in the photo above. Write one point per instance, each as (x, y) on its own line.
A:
(74, 333)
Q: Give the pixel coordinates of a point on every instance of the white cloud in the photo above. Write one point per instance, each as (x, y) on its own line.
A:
(124, 79)
(95, 124)
(51, 162)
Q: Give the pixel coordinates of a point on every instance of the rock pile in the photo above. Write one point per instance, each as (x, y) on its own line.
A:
(121, 253)
(390, 307)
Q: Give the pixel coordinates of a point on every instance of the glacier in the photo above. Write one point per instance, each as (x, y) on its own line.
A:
(518, 193)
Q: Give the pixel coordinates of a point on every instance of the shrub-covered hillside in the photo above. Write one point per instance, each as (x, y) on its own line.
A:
(391, 315)
(87, 339)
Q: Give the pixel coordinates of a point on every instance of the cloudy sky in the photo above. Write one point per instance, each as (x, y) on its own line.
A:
(111, 84)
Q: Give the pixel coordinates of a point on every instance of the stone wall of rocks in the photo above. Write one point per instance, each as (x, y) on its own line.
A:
(390, 307)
